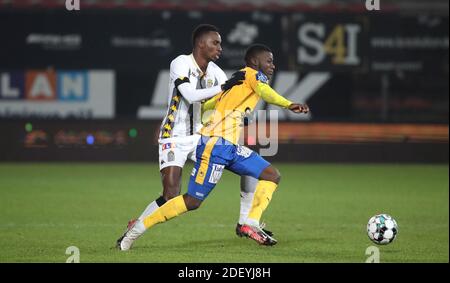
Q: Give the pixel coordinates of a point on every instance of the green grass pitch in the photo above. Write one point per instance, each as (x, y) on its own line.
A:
(318, 214)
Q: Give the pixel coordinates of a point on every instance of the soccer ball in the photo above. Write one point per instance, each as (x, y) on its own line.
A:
(382, 229)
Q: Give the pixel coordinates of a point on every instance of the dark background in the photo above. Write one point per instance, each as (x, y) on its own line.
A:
(400, 77)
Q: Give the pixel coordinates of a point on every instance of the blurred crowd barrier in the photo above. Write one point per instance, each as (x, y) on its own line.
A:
(136, 140)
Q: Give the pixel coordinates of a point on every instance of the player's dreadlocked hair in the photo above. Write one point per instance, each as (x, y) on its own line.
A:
(200, 30)
(254, 50)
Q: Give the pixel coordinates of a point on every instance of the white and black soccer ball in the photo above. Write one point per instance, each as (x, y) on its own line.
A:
(382, 229)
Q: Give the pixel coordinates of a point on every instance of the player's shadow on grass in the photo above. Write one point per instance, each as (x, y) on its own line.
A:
(224, 243)
(221, 243)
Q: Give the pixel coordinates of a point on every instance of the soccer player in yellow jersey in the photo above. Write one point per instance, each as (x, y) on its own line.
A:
(218, 148)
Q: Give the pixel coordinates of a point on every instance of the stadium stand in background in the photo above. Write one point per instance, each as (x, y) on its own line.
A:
(438, 6)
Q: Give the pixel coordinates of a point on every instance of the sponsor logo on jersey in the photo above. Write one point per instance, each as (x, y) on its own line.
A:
(170, 156)
(260, 76)
(209, 83)
(243, 151)
(216, 173)
(168, 146)
(197, 73)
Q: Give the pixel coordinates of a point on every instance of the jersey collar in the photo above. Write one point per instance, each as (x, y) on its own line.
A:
(199, 71)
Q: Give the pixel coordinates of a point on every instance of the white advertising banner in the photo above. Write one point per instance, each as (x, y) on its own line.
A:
(80, 94)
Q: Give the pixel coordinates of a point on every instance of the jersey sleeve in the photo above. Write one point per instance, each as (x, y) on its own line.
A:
(178, 69)
(260, 84)
(250, 78)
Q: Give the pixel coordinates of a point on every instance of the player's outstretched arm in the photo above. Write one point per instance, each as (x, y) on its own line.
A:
(196, 95)
(272, 97)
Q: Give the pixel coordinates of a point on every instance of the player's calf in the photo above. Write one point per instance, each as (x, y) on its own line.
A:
(171, 177)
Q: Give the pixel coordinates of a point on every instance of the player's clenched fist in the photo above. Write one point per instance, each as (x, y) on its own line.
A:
(299, 108)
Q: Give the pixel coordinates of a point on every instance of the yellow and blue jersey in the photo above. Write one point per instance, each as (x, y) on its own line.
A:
(230, 106)
(218, 148)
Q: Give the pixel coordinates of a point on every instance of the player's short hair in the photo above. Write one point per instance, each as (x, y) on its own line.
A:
(201, 30)
(254, 49)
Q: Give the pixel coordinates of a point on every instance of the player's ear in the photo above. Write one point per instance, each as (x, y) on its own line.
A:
(201, 42)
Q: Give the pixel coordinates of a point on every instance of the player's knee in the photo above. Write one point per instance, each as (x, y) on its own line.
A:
(276, 176)
(191, 203)
(271, 174)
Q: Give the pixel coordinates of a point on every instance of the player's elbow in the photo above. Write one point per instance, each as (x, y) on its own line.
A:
(190, 99)
(187, 93)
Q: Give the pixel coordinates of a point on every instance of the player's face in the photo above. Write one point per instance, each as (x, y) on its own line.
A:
(212, 46)
(266, 63)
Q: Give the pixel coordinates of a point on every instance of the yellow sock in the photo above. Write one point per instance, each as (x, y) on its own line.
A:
(263, 195)
(169, 210)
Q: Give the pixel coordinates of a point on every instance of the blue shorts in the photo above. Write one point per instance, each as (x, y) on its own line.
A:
(214, 154)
